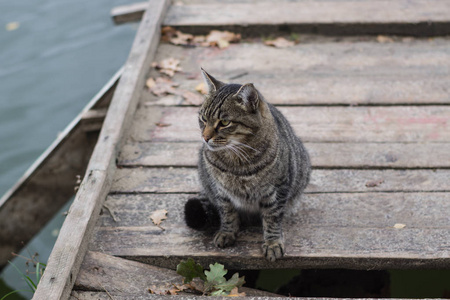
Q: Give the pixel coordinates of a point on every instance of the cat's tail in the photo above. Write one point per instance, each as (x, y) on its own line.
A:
(200, 214)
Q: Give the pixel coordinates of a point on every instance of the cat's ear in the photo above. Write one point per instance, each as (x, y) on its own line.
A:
(212, 83)
(248, 95)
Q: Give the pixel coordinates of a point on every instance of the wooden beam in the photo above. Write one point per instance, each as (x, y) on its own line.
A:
(70, 247)
(50, 181)
(128, 13)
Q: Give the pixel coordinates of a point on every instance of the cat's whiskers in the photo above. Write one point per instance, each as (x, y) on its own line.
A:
(242, 155)
(235, 151)
(245, 146)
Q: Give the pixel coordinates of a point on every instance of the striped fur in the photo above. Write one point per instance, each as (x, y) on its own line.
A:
(251, 163)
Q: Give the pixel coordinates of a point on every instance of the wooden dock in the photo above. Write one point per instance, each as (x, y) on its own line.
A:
(372, 110)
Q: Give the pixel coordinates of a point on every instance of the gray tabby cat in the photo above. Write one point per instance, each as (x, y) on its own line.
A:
(251, 162)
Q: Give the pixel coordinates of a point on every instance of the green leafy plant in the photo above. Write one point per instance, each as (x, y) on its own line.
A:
(37, 269)
(214, 281)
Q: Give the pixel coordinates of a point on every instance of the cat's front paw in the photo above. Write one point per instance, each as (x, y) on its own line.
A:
(273, 250)
(224, 239)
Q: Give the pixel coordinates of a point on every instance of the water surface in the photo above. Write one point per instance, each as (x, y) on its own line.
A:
(55, 55)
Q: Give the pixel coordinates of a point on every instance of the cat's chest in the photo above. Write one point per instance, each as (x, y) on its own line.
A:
(245, 192)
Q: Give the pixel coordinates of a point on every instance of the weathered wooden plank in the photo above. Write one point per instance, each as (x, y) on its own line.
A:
(185, 180)
(326, 17)
(310, 12)
(49, 183)
(330, 230)
(80, 295)
(355, 210)
(71, 245)
(128, 13)
(323, 155)
(325, 72)
(314, 124)
(102, 272)
(421, 17)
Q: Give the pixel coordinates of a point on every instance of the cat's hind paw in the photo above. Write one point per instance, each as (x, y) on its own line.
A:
(273, 250)
(224, 239)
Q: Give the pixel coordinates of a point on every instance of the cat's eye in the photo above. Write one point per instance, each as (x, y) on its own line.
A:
(202, 118)
(224, 123)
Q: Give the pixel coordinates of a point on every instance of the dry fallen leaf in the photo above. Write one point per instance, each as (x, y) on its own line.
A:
(399, 226)
(235, 293)
(280, 42)
(12, 26)
(384, 39)
(150, 83)
(158, 291)
(222, 39)
(215, 38)
(158, 216)
(181, 38)
(176, 37)
(374, 183)
(168, 66)
(201, 88)
(167, 32)
(174, 289)
(164, 86)
(199, 39)
(161, 86)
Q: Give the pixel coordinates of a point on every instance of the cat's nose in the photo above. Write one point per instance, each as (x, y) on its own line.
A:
(206, 138)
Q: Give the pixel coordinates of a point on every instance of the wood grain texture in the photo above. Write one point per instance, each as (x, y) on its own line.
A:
(422, 17)
(307, 12)
(102, 272)
(324, 71)
(315, 124)
(71, 245)
(81, 295)
(323, 17)
(185, 180)
(325, 230)
(323, 155)
(358, 210)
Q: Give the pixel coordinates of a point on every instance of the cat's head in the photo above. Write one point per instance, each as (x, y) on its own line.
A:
(230, 114)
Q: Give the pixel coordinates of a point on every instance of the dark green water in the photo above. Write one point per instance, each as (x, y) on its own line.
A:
(59, 55)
